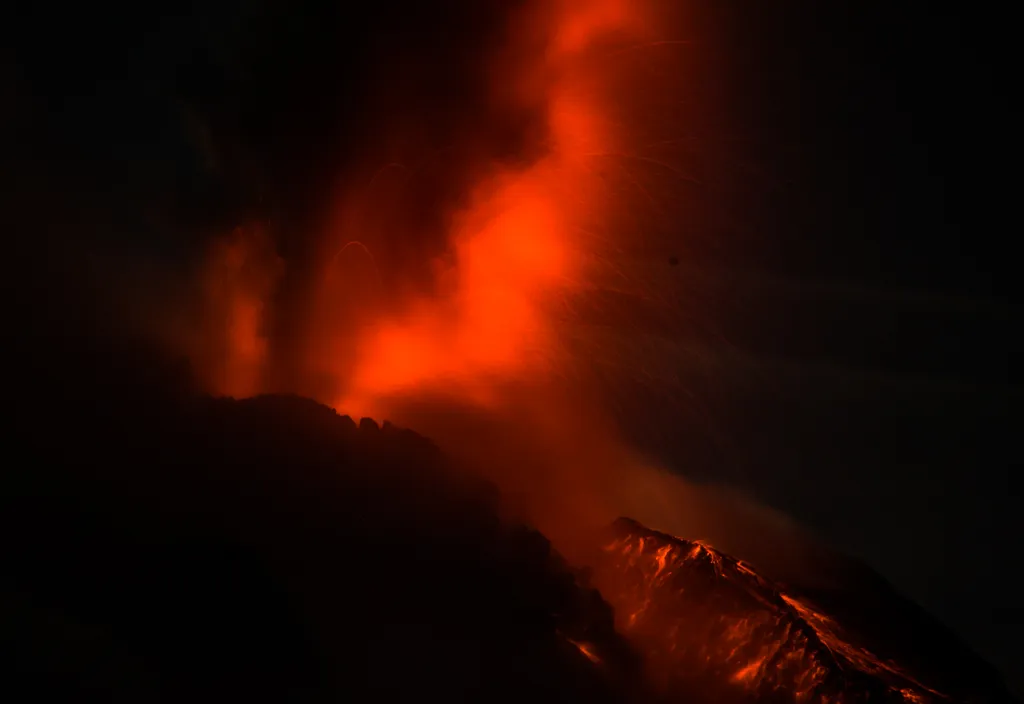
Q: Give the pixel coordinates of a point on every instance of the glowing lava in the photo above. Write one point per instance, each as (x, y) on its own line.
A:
(706, 622)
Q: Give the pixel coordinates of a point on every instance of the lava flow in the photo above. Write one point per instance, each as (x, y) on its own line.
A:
(709, 623)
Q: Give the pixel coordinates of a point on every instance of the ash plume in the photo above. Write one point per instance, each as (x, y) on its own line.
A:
(345, 192)
(439, 214)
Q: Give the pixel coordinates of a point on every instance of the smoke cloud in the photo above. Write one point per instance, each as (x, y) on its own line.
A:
(400, 214)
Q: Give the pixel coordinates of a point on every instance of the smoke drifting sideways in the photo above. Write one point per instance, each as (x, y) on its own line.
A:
(425, 195)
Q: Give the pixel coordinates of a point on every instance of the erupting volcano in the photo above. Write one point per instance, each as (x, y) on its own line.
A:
(478, 231)
(296, 555)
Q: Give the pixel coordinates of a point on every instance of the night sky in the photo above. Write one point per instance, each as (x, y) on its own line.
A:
(869, 292)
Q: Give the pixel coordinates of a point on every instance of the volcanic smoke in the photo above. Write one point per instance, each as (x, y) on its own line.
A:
(443, 281)
(436, 281)
(474, 332)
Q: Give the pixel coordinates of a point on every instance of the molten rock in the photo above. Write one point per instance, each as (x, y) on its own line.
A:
(709, 624)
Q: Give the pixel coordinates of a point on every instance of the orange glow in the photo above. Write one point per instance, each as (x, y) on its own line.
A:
(229, 348)
(477, 355)
(515, 244)
(480, 358)
(585, 20)
(750, 672)
(587, 650)
(509, 255)
(831, 635)
(485, 337)
(693, 610)
(516, 248)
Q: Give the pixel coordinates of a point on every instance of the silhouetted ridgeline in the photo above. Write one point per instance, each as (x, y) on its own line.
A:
(163, 547)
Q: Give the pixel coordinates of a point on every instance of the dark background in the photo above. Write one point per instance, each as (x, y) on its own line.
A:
(886, 419)
(866, 286)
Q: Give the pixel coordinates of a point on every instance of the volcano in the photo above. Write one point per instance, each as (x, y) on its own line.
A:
(174, 547)
(271, 550)
(710, 624)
